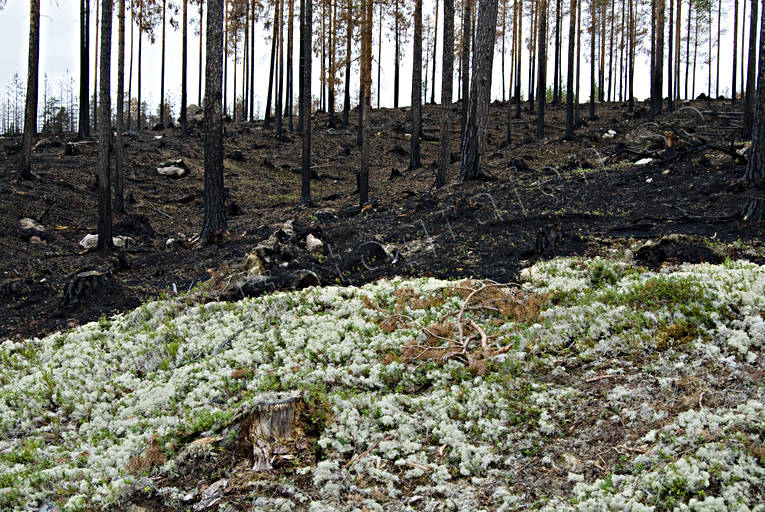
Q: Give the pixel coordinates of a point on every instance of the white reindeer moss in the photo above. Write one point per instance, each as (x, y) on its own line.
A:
(75, 407)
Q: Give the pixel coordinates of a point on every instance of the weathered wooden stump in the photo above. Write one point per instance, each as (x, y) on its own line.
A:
(272, 429)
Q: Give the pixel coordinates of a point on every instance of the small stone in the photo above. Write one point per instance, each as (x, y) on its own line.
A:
(610, 134)
(35, 240)
(172, 171)
(30, 224)
(314, 245)
(644, 161)
(89, 241)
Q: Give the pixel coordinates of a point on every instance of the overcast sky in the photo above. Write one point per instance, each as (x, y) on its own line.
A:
(59, 52)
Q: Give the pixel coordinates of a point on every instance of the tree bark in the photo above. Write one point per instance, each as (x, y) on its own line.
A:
(593, 27)
(348, 48)
(414, 152)
(95, 76)
(755, 166)
(542, 69)
(130, 74)
(184, 60)
(466, 15)
(201, 70)
(214, 200)
(396, 54)
(670, 103)
(658, 74)
(447, 73)
(570, 72)
(33, 63)
(162, 72)
(735, 52)
(474, 137)
(556, 67)
(435, 47)
(290, 66)
(278, 104)
(305, 98)
(105, 134)
(267, 118)
(119, 203)
(83, 127)
(366, 97)
(519, 61)
(139, 120)
(750, 74)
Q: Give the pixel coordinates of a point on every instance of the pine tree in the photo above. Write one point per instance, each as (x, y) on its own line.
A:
(105, 133)
(447, 72)
(214, 199)
(30, 112)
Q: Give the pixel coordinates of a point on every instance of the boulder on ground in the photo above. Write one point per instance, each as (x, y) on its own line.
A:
(172, 171)
(90, 242)
(195, 114)
(314, 245)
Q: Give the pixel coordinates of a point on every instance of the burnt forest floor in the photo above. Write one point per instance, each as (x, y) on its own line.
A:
(541, 199)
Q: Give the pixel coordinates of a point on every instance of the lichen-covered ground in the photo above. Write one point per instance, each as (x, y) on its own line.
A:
(592, 385)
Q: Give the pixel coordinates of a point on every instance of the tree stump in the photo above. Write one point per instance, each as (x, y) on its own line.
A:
(81, 285)
(272, 429)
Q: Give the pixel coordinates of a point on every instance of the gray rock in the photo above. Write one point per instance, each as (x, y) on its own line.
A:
(172, 171)
(314, 245)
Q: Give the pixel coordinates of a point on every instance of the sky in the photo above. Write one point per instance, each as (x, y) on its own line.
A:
(59, 53)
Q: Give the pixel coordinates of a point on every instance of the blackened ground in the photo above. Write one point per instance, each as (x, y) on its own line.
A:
(543, 199)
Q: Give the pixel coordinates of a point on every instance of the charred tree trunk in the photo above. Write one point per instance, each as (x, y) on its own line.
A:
(755, 167)
(447, 73)
(556, 67)
(306, 27)
(33, 64)
(466, 23)
(267, 118)
(83, 127)
(735, 52)
(184, 61)
(139, 119)
(570, 72)
(162, 72)
(670, 102)
(278, 104)
(593, 28)
(658, 72)
(119, 203)
(750, 74)
(474, 137)
(214, 194)
(435, 47)
(396, 54)
(519, 61)
(348, 39)
(542, 69)
(201, 70)
(105, 134)
(414, 153)
(366, 97)
(290, 66)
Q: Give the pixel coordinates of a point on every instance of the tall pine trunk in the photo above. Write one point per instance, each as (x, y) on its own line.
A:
(348, 48)
(593, 28)
(474, 137)
(366, 97)
(435, 47)
(290, 65)
(570, 72)
(735, 51)
(670, 102)
(751, 74)
(214, 220)
(105, 134)
(83, 127)
(139, 119)
(755, 167)
(184, 60)
(658, 72)
(396, 53)
(162, 120)
(274, 41)
(201, 69)
(466, 14)
(414, 152)
(306, 26)
(33, 64)
(119, 203)
(447, 73)
(542, 69)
